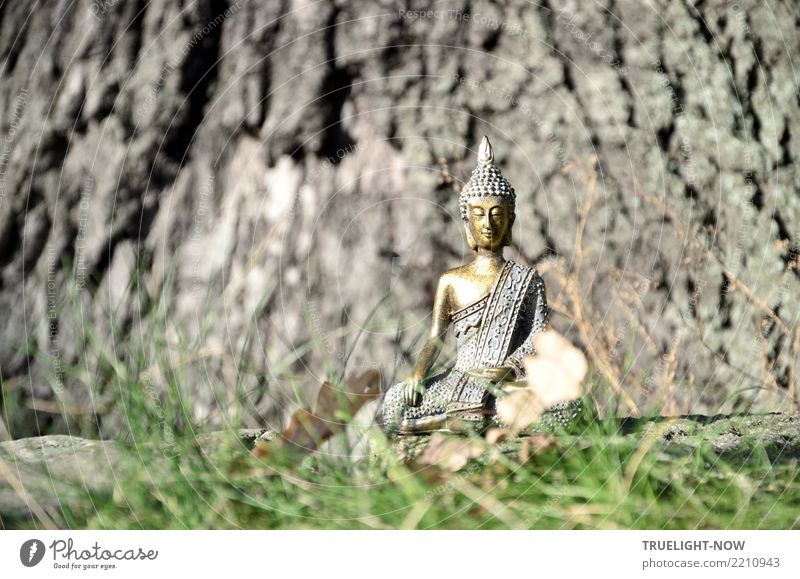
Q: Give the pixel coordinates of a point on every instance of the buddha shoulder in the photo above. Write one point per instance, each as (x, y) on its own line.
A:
(464, 286)
(459, 272)
(446, 281)
(450, 282)
(454, 278)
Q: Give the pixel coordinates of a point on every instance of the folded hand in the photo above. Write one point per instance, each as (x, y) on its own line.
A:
(412, 392)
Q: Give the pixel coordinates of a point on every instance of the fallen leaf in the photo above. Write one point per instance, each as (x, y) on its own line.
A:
(557, 369)
(449, 452)
(343, 403)
(498, 435)
(554, 375)
(535, 444)
(520, 409)
(334, 409)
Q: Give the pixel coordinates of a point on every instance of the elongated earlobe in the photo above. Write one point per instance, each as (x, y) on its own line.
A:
(507, 240)
(473, 245)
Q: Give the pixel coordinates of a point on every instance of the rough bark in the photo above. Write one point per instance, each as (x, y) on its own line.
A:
(286, 173)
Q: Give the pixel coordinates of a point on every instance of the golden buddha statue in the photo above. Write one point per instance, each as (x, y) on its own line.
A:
(495, 307)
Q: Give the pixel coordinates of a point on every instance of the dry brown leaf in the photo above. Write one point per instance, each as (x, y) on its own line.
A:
(498, 435)
(554, 375)
(520, 409)
(556, 371)
(335, 407)
(535, 444)
(340, 404)
(450, 453)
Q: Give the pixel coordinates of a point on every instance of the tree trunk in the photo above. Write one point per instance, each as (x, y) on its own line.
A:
(253, 191)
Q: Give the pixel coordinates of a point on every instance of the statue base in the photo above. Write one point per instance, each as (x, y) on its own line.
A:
(560, 417)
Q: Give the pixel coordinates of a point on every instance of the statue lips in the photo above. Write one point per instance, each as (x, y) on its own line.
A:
(489, 236)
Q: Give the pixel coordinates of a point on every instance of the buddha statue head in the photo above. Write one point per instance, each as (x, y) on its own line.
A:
(487, 204)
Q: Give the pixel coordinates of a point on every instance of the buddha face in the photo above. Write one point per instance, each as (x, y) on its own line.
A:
(489, 222)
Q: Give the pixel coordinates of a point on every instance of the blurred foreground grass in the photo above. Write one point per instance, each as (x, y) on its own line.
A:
(654, 475)
(163, 469)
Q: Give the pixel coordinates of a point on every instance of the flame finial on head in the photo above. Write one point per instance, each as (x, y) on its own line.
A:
(485, 152)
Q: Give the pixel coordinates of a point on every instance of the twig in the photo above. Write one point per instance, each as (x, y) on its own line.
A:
(7, 473)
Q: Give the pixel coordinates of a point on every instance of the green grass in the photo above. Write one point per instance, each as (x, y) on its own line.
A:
(587, 481)
(171, 474)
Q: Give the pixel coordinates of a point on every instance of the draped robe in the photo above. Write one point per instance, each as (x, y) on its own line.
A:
(496, 330)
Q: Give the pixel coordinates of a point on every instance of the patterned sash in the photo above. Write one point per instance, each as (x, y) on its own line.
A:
(498, 322)
(500, 317)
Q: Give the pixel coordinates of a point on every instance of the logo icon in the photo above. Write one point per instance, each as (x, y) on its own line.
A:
(31, 553)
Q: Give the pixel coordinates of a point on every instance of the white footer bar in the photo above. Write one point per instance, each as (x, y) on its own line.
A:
(401, 554)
